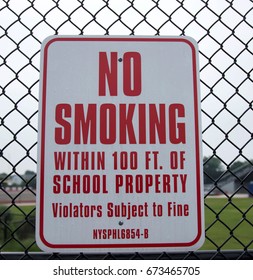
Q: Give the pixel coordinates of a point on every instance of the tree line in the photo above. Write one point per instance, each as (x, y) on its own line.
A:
(213, 167)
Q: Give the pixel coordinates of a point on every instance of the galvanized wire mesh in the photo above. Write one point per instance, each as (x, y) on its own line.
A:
(224, 31)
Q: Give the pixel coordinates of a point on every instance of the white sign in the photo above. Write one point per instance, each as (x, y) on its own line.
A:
(120, 164)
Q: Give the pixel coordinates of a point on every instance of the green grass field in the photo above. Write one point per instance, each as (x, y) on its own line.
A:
(23, 237)
(227, 227)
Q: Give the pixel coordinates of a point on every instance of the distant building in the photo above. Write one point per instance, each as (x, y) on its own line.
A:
(14, 180)
(239, 180)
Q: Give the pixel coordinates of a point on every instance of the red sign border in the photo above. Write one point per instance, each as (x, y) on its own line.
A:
(197, 142)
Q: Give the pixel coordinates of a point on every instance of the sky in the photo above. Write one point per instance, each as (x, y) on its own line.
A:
(223, 29)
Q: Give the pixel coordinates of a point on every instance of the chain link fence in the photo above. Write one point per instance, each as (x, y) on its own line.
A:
(224, 32)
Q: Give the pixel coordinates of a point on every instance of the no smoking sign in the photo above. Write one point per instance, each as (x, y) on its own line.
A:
(119, 145)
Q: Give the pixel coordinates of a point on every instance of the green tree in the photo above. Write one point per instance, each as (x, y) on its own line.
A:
(3, 182)
(237, 164)
(29, 179)
(213, 168)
